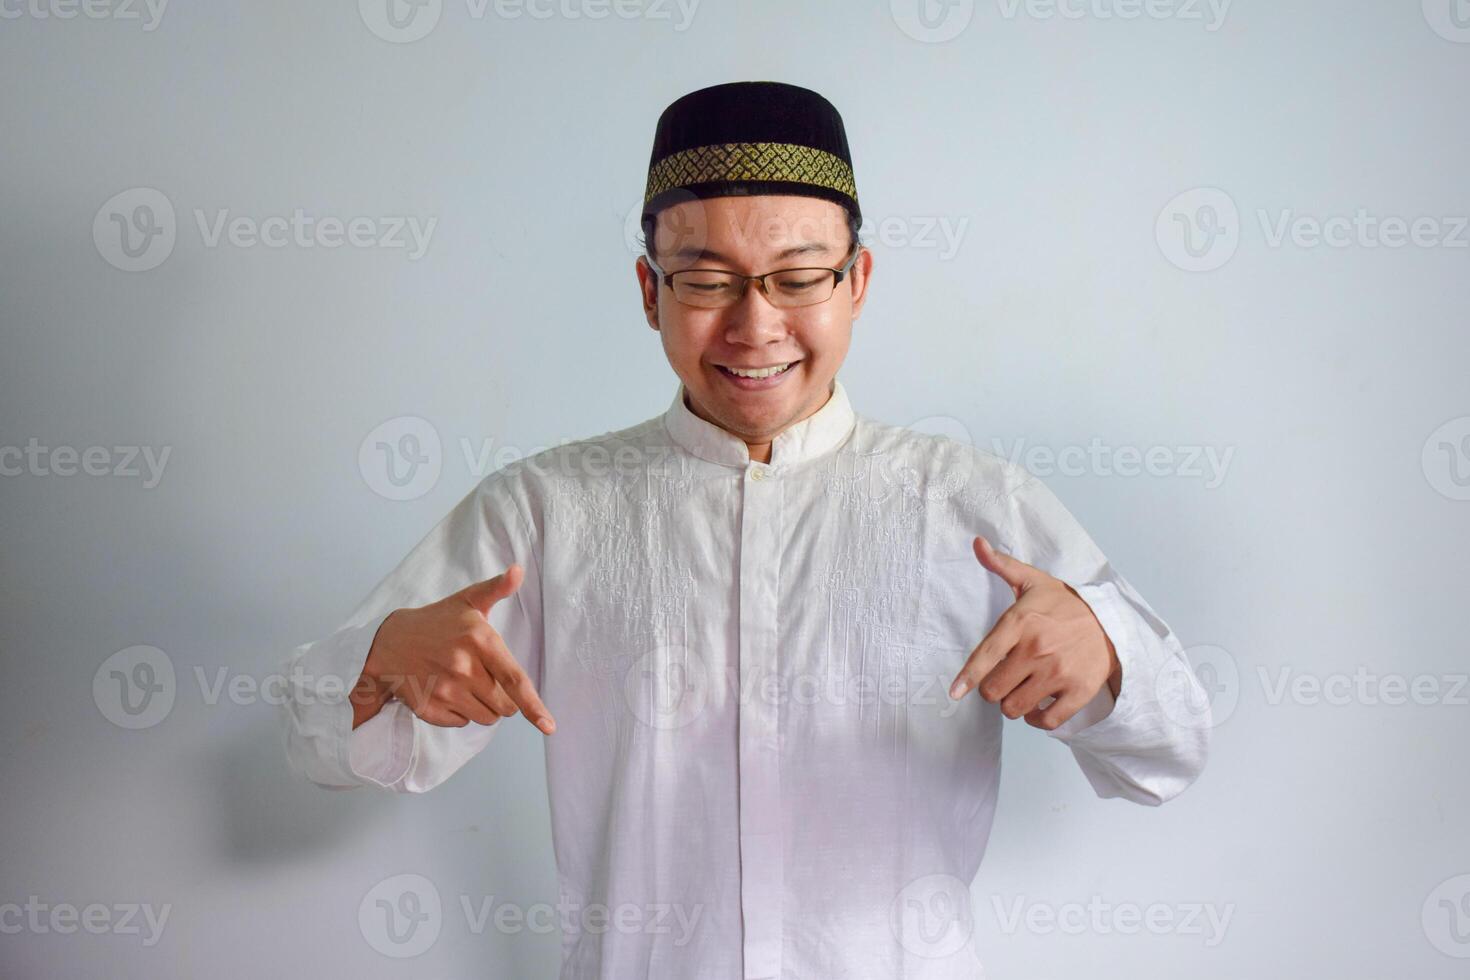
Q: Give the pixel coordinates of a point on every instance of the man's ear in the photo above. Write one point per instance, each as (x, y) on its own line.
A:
(647, 290)
(862, 269)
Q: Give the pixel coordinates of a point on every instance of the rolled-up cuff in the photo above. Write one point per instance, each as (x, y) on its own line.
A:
(1101, 598)
(319, 733)
(381, 748)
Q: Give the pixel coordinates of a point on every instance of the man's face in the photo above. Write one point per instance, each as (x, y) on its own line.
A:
(754, 235)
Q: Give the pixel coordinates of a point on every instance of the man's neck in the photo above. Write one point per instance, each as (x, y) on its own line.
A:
(760, 452)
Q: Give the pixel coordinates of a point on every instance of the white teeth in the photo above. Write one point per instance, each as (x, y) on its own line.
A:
(759, 372)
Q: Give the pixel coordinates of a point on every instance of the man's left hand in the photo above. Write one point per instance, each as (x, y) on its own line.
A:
(1047, 644)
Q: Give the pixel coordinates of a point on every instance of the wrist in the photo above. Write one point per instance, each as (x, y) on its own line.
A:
(372, 667)
(372, 688)
(370, 692)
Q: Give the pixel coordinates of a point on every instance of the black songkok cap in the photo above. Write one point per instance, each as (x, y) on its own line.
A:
(750, 138)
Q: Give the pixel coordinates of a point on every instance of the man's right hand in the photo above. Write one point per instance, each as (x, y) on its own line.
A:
(448, 664)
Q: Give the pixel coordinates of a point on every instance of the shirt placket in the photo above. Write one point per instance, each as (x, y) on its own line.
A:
(759, 738)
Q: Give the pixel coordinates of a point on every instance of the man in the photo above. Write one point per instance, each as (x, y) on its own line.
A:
(738, 623)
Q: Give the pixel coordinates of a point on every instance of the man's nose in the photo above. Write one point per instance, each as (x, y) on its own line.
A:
(752, 319)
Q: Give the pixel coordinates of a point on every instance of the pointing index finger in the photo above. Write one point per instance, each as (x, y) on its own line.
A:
(991, 651)
(516, 683)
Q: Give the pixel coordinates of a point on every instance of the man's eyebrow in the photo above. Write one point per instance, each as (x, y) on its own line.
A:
(696, 254)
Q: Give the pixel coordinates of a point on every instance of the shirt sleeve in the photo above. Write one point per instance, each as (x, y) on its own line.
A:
(1151, 744)
(395, 750)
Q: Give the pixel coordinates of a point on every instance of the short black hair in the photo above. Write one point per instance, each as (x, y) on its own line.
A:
(650, 223)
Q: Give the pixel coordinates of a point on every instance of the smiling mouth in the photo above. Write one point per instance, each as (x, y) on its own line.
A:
(757, 374)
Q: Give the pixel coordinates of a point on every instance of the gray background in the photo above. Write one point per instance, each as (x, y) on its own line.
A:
(1332, 834)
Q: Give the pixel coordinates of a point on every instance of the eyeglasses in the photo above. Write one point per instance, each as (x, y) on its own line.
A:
(785, 288)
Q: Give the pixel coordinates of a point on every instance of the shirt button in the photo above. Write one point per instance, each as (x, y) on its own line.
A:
(759, 473)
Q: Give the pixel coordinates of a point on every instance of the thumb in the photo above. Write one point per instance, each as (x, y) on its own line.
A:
(484, 595)
(1014, 572)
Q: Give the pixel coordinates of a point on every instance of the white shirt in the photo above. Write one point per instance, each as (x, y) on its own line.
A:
(748, 664)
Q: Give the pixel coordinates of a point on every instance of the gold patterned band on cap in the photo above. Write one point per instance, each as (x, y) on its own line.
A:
(750, 161)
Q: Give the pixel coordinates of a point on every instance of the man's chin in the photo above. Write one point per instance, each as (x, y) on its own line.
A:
(750, 422)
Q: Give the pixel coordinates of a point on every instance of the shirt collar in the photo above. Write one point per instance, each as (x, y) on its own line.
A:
(818, 433)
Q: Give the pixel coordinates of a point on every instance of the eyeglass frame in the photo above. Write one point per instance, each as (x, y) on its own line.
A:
(667, 278)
